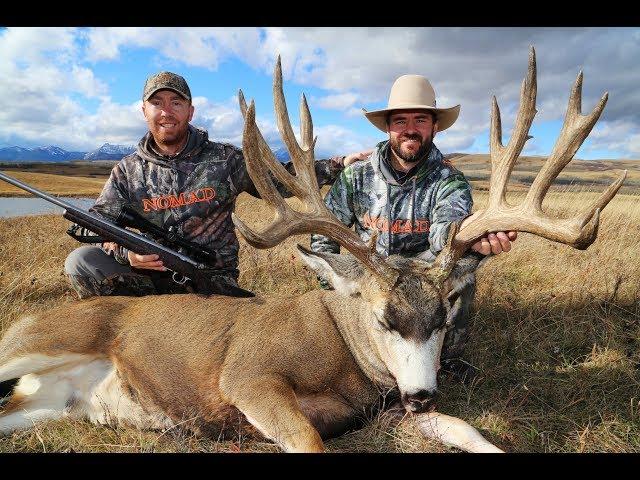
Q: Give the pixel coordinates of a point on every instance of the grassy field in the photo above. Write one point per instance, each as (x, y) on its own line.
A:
(556, 334)
(591, 175)
(59, 185)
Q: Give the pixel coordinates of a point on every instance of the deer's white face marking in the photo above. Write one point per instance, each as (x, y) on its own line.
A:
(413, 363)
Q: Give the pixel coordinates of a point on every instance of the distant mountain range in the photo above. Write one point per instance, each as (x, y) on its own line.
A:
(282, 154)
(54, 154)
(110, 152)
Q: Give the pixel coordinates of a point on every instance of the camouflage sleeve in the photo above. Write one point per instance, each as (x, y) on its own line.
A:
(114, 194)
(339, 201)
(239, 176)
(109, 204)
(453, 203)
(326, 173)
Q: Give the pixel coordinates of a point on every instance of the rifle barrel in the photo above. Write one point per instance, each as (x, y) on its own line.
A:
(76, 215)
(198, 272)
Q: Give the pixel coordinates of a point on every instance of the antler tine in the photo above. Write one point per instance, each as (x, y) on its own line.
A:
(306, 126)
(287, 222)
(602, 201)
(274, 165)
(504, 158)
(575, 129)
(261, 179)
(579, 231)
(302, 158)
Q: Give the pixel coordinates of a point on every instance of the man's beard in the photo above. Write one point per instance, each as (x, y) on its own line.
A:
(422, 152)
(163, 138)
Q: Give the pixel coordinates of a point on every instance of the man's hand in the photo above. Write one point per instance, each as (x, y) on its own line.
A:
(355, 157)
(109, 247)
(149, 262)
(494, 243)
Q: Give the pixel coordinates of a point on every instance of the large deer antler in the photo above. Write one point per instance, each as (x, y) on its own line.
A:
(317, 219)
(578, 232)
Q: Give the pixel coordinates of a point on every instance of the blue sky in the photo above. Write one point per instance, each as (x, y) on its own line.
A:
(78, 88)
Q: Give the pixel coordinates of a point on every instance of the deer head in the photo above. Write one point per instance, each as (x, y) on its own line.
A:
(406, 305)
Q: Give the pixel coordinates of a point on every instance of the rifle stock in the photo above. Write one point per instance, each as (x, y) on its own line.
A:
(202, 276)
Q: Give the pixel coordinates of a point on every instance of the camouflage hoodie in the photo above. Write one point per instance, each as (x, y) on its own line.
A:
(412, 218)
(192, 194)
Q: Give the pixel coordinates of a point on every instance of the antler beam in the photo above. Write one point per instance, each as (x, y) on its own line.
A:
(317, 219)
(578, 232)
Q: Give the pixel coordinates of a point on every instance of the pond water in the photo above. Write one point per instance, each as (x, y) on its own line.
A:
(18, 206)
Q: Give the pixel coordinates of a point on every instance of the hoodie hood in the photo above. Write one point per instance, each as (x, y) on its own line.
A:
(382, 168)
(196, 141)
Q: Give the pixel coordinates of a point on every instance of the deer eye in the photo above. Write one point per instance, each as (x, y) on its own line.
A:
(383, 323)
(387, 324)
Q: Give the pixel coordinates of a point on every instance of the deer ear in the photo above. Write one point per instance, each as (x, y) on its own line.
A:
(440, 269)
(461, 279)
(342, 271)
(462, 273)
(454, 304)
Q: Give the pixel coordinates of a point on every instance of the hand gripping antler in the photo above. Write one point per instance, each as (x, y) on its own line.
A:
(317, 219)
(578, 232)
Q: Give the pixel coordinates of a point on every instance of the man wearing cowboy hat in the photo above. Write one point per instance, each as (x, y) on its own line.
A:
(410, 195)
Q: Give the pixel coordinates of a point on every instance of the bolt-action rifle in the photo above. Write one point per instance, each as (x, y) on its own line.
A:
(184, 267)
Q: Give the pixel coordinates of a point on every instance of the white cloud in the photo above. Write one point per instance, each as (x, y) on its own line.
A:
(40, 68)
(334, 140)
(353, 67)
(616, 136)
(465, 65)
(84, 82)
(468, 66)
(354, 113)
(223, 121)
(112, 123)
(342, 101)
(30, 45)
(192, 46)
(72, 128)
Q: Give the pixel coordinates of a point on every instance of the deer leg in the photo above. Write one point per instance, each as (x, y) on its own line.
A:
(23, 419)
(450, 431)
(270, 405)
(29, 404)
(453, 432)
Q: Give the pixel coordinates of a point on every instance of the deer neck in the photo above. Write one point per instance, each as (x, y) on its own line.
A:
(352, 318)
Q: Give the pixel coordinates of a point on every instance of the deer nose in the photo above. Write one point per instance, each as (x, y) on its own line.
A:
(420, 401)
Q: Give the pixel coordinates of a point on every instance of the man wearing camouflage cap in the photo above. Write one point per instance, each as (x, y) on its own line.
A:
(410, 195)
(181, 181)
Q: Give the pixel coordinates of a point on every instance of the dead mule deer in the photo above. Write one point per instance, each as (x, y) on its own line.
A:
(296, 369)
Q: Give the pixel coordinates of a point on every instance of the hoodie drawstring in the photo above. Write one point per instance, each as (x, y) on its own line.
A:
(388, 220)
(413, 203)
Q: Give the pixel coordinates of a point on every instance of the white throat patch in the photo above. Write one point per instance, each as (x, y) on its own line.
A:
(415, 364)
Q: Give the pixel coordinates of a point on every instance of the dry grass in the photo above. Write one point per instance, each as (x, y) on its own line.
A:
(586, 174)
(556, 335)
(61, 185)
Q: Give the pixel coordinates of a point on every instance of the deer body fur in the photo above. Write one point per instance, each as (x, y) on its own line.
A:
(170, 365)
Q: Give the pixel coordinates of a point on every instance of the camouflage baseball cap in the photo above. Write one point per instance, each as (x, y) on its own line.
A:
(164, 80)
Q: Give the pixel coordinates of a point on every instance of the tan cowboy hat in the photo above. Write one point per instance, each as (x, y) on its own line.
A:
(413, 92)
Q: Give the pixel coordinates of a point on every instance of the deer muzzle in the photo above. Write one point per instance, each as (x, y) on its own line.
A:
(420, 401)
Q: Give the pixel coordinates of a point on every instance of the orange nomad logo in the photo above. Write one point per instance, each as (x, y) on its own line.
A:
(398, 226)
(172, 201)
